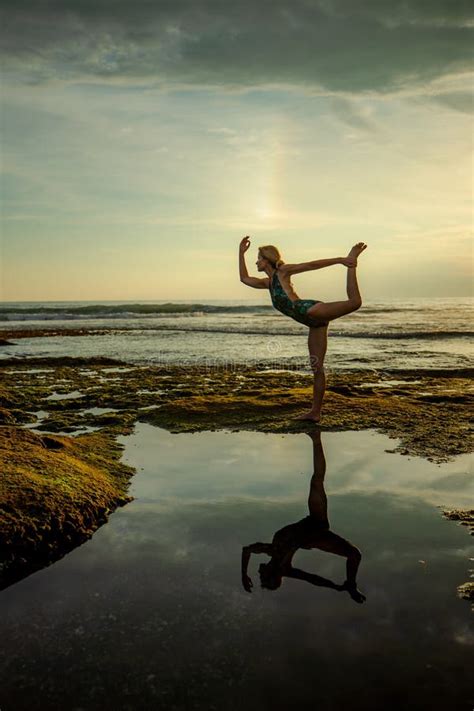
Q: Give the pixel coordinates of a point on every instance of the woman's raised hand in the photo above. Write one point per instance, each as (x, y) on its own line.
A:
(247, 583)
(244, 244)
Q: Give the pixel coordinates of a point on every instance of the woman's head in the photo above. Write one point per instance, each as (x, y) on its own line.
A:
(268, 254)
(270, 576)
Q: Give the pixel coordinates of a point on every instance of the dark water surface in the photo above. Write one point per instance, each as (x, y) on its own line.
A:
(151, 613)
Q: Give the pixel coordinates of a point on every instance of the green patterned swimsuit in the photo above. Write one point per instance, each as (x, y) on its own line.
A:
(294, 309)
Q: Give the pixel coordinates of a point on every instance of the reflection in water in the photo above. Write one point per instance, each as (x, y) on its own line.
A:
(146, 616)
(311, 532)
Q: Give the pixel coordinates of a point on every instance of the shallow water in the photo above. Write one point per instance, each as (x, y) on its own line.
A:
(286, 350)
(65, 396)
(150, 613)
(98, 410)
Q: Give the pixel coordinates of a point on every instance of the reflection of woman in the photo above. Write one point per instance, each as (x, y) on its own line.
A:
(314, 314)
(311, 532)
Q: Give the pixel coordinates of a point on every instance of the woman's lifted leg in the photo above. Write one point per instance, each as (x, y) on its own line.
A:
(334, 309)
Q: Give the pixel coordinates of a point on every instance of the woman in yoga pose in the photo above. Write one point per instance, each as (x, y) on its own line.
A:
(309, 533)
(314, 314)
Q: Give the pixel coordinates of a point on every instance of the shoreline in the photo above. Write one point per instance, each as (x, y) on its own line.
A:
(233, 366)
(7, 335)
(83, 404)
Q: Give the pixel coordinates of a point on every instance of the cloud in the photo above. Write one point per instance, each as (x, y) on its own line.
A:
(458, 100)
(337, 45)
(351, 115)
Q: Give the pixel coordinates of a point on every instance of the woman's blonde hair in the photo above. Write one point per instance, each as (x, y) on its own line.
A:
(271, 253)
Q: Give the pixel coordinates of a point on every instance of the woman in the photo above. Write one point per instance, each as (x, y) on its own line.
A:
(314, 314)
(311, 532)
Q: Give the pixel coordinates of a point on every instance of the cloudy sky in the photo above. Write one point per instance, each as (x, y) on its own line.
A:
(141, 140)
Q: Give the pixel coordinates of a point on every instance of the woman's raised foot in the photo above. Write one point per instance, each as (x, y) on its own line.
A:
(356, 250)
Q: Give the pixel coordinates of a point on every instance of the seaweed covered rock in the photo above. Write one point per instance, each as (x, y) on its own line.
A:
(55, 491)
(463, 516)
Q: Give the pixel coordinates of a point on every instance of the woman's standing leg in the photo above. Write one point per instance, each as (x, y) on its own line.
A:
(317, 499)
(317, 345)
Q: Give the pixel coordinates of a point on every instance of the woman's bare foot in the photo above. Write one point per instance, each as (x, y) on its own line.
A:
(310, 415)
(356, 250)
(355, 594)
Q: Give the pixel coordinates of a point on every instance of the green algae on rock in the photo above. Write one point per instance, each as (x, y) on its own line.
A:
(54, 493)
(427, 412)
(466, 591)
(465, 518)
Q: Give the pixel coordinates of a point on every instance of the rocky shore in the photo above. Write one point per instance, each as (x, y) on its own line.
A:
(61, 480)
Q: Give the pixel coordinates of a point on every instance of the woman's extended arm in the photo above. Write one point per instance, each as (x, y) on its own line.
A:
(246, 553)
(317, 264)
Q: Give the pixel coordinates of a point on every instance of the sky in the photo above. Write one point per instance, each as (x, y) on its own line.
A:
(142, 140)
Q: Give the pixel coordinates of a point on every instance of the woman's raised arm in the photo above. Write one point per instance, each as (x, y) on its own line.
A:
(246, 553)
(244, 275)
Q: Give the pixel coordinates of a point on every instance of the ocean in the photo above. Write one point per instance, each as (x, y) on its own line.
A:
(391, 334)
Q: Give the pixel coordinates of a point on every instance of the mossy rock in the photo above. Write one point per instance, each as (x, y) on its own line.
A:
(55, 491)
